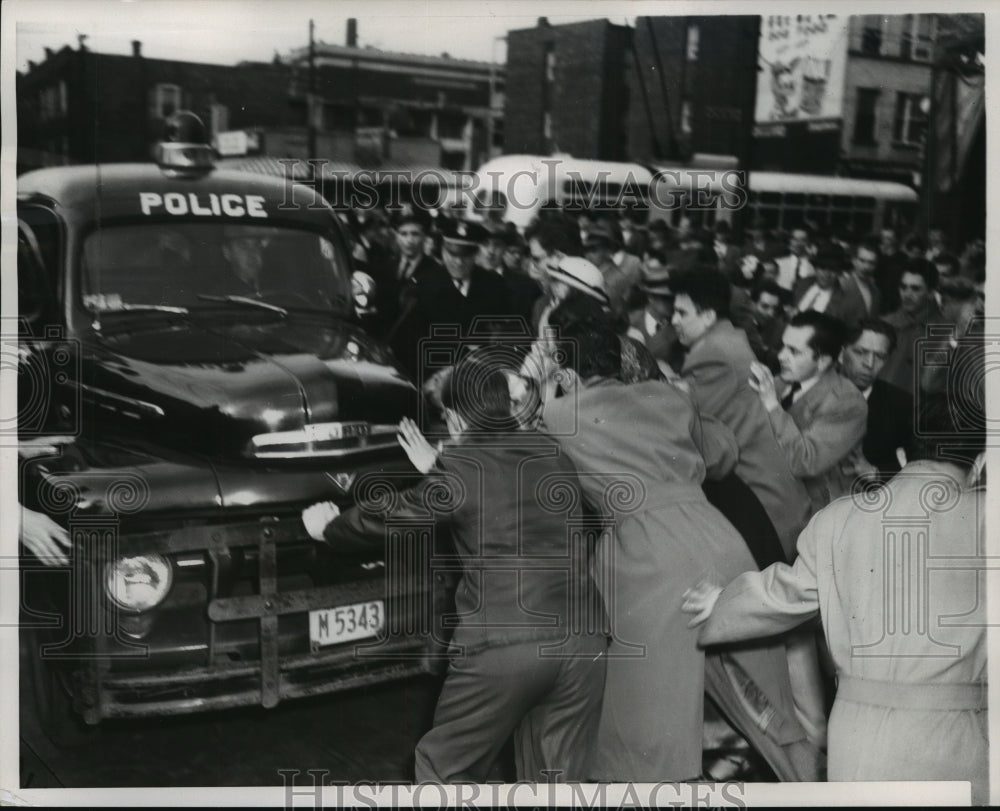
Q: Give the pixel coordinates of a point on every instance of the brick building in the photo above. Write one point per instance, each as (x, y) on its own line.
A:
(660, 91)
(693, 81)
(411, 108)
(886, 95)
(79, 106)
(567, 90)
(368, 107)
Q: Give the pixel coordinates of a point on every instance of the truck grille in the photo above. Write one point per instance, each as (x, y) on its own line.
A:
(332, 439)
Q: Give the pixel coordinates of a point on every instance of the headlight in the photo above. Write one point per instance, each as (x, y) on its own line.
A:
(138, 583)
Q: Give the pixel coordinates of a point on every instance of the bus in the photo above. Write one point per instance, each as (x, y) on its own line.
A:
(518, 187)
(523, 185)
(780, 201)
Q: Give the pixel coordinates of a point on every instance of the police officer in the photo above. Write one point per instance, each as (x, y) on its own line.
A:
(455, 294)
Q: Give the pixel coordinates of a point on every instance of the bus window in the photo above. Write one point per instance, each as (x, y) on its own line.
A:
(864, 222)
(818, 210)
(792, 217)
(841, 220)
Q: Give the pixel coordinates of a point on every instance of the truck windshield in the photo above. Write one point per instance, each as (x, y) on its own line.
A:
(200, 264)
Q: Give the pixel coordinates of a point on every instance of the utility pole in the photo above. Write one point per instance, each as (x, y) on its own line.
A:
(311, 106)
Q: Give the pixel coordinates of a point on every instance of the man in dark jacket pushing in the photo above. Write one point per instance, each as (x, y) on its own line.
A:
(523, 662)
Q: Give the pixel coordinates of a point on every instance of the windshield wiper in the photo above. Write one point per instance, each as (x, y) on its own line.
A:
(244, 300)
(143, 308)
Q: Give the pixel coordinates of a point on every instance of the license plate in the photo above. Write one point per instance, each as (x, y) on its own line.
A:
(344, 623)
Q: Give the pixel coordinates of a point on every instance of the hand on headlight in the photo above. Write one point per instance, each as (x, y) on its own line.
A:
(317, 517)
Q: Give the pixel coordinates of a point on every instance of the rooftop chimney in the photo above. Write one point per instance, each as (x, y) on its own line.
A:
(136, 47)
(352, 33)
(543, 22)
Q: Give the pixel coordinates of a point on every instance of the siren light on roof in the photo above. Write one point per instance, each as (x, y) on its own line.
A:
(185, 147)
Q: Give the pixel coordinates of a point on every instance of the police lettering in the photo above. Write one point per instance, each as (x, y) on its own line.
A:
(231, 205)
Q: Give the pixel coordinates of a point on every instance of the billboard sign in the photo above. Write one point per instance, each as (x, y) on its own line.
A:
(802, 61)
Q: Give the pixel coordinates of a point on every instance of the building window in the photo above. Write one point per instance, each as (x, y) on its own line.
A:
(220, 118)
(550, 63)
(865, 118)
(686, 117)
(910, 122)
(451, 125)
(872, 34)
(547, 126)
(53, 101)
(166, 100)
(918, 37)
(693, 36)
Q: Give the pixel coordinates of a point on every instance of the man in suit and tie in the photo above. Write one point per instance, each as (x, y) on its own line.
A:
(818, 417)
(396, 277)
(890, 409)
(825, 291)
(796, 264)
(859, 286)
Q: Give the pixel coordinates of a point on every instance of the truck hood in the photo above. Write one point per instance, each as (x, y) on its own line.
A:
(74, 478)
(284, 389)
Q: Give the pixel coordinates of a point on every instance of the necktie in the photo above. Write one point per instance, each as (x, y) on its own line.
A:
(810, 298)
(786, 401)
(866, 294)
(798, 266)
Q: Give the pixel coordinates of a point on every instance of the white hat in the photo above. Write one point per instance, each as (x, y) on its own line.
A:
(581, 275)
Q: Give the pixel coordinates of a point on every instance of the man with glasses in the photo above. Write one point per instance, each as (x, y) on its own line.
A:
(548, 244)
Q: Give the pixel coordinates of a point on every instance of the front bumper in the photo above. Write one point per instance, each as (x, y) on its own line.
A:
(229, 648)
(225, 686)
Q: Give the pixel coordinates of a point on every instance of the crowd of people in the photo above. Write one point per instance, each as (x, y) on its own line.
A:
(775, 407)
(760, 395)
